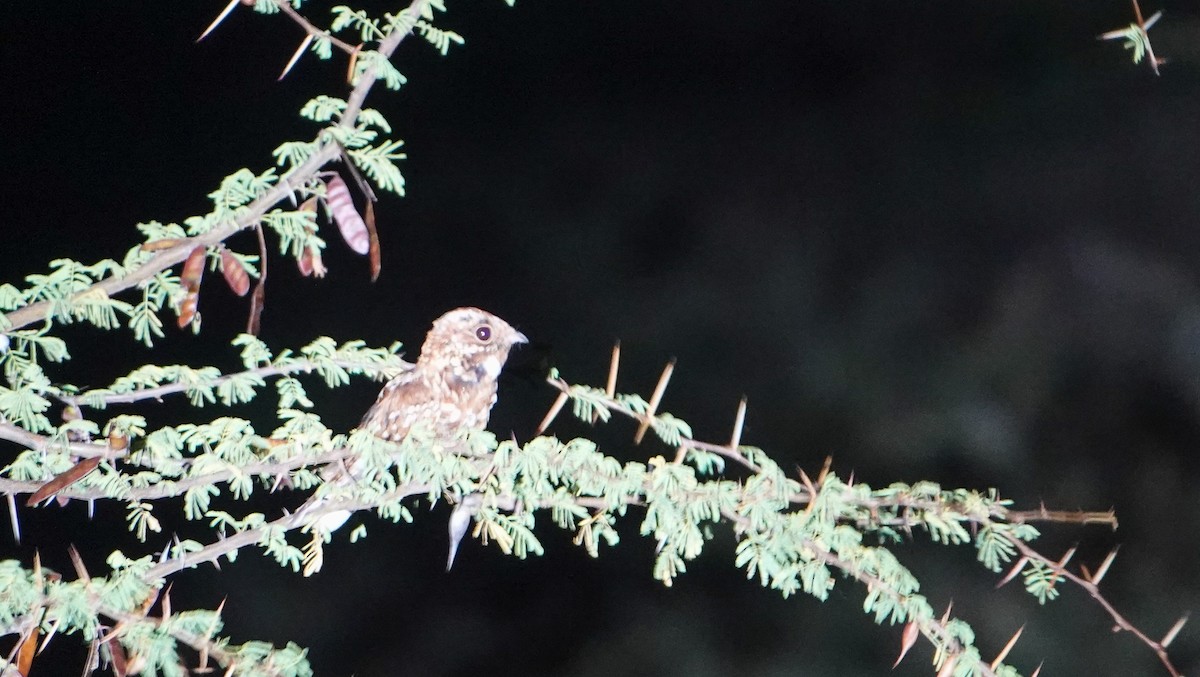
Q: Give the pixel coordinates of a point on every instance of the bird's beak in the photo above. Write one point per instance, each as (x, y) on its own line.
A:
(518, 337)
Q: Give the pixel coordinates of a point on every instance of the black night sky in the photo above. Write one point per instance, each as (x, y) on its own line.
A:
(935, 240)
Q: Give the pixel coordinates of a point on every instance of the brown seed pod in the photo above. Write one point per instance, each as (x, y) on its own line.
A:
(159, 245)
(347, 218)
(193, 272)
(193, 269)
(235, 273)
(310, 263)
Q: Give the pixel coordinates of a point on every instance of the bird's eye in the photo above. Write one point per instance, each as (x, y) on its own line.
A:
(483, 333)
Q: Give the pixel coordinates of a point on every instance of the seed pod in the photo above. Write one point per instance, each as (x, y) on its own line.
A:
(193, 271)
(347, 218)
(235, 273)
(305, 263)
(257, 303)
(375, 257)
(187, 309)
(63, 480)
(27, 648)
(159, 245)
(310, 263)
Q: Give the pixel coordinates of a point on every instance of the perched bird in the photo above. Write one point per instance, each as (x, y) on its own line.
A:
(450, 389)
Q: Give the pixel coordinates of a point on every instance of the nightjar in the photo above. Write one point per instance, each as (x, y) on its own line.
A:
(450, 389)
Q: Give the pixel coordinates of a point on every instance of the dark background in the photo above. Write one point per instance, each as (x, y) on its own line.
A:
(935, 240)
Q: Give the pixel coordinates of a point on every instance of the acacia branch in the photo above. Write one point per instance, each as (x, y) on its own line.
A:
(996, 513)
(167, 488)
(1093, 590)
(295, 366)
(1042, 514)
(15, 433)
(804, 496)
(327, 151)
(176, 253)
(933, 630)
(286, 8)
(204, 646)
(930, 628)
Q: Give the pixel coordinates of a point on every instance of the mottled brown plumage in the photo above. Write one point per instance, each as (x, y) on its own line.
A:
(452, 387)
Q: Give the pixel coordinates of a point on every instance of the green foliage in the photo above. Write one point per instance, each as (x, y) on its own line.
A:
(323, 109)
(1135, 39)
(792, 535)
(25, 406)
(230, 199)
(367, 27)
(378, 162)
(440, 39)
(788, 539)
(383, 69)
(1042, 581)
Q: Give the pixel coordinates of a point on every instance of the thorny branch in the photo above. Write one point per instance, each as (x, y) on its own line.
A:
(934, 631)
(172, 488)
(312, 30)
(295, 367)
(929, 629)
(266, 469)
(123, 619)
(1090, 585)
(327, 151)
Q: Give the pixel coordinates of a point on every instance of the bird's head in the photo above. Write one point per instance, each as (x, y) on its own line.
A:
(470, 345)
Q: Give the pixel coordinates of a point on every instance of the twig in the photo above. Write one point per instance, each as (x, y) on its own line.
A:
(933, 631)
(387, 45)
(612, 404)
(253, 212)
(312, 30)
(259, 299)
(298, 366)
(169, 488)
(23, 437)
(1041, 514)
(1093, 590)
(873, 506)
(35, 312)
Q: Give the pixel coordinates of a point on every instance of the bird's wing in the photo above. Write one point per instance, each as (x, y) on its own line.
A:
(405, 400)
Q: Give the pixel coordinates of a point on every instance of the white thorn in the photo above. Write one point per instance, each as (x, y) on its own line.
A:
(221, 17)
(12, 516)
(460, 519)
